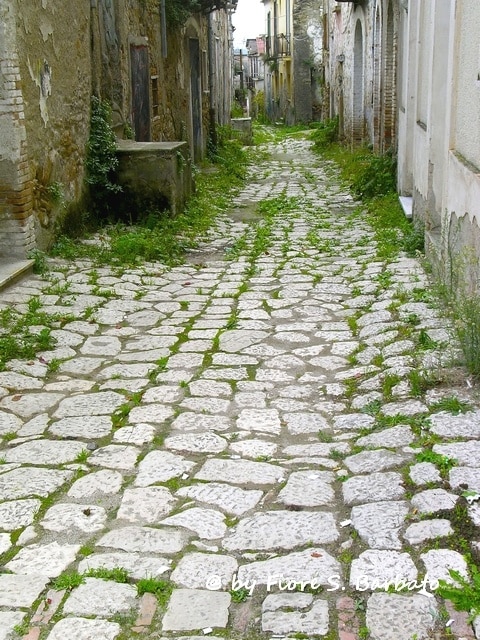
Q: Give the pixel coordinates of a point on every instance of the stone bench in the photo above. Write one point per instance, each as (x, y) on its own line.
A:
(159, 173)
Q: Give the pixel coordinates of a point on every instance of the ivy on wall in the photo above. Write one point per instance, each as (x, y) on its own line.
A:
(178, 11)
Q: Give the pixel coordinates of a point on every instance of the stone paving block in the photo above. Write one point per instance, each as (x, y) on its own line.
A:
(103, 598)
(254, 448)
(191, 609)
(43, 559)
(31, 481)
(312, 565)
(282, 529)
(138, 434)
(419, 532)
(20, 591)
(30, 404)
(374, 487)
(372, 461)
(236, 340)
(264, 420)
(308, 489)
(194, 422)
(463, 425)
(206, 405)
(469, 476)
(205, 571)
(160, 466)
(305, 423)
(136, 565)
(87, 427)
(224, 496)
(5, 542)
(9, 620)
(375, 569)
(101, 346)
(163, 394)
(242, 472)
(105, 481)
(316, 449)
(466, 453)
(73, 628)
(439, 562)
(18, 514)
(9, 423)
(424, 472)
(286, 613)
(399, 436)
(353, 421)
(146, 505)
(433, 500)
(400, 617)
(379, 523)
(208, 524)
(145, 540)
(115, 456)
(196, 443)
(19, 382)
(90, 404)
(44, 451)
(404, 408)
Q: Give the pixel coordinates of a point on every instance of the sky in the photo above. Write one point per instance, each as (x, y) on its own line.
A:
(248, 20)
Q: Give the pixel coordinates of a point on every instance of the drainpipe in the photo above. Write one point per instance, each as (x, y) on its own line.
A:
(211, 85)
(163, 23)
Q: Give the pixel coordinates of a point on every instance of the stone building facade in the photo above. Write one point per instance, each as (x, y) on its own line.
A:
(165, 82)
(295, 89)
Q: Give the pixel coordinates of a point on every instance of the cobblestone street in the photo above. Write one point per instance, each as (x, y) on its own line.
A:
(281, 409)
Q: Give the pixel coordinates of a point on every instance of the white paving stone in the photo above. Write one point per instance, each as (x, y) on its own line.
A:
(379, 523)
(264, 420)
(424, 472)
(298, 423)
(44, 452)
(30, 404)
(105, 481)
(160, 466)
(419, 532)
(205, 571)
(43, 559)
(146, 505)
(90, 404)
(391, 616)
(31, 481)
(374, 487)
(192, 609)
(466, 453)
(308, 489)
(138, 434)
(464, 425)
(439, 562)
(313, 621)
(195, 422)
(65, 517)
(103, 598)
(313, 564)
(240, 472)
(206, 523)
(374, 569)
(196, 443)
(145, 540)
(137, 566)
(115, 456)
(18, 513)
(399, 436)
(469, 476)
(19, 591)
(372, 461)
(101, 346)
(282, 529)
(8, 621)
(224, 496)
(236, 340)
(88, 427)
(353, 421)
(254, 448)
(433, 500)
(73, 628)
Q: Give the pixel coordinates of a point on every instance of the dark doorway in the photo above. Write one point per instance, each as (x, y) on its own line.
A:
(196, 97)
(140, 92)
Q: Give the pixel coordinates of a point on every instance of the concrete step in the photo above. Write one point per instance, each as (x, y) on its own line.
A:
(13, 270)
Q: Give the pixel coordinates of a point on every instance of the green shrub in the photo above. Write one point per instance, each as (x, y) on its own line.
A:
(377, 176)
(325, 133)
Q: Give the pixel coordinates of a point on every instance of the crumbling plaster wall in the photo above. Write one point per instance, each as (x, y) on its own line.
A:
(310, 93)
(53, 45)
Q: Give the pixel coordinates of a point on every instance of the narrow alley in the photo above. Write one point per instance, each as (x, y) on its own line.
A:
(273, 440)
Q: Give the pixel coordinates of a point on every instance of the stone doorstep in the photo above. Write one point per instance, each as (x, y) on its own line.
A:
(13, 270)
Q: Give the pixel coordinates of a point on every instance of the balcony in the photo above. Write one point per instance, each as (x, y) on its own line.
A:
(278, 46)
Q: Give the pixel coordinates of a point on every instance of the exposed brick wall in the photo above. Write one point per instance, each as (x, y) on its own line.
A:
(17, 236)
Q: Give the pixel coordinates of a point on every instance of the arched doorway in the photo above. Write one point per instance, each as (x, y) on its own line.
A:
(358, 87)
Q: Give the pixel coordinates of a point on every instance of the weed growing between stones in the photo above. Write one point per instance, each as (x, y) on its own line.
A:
(465, 596)
(158, 236)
